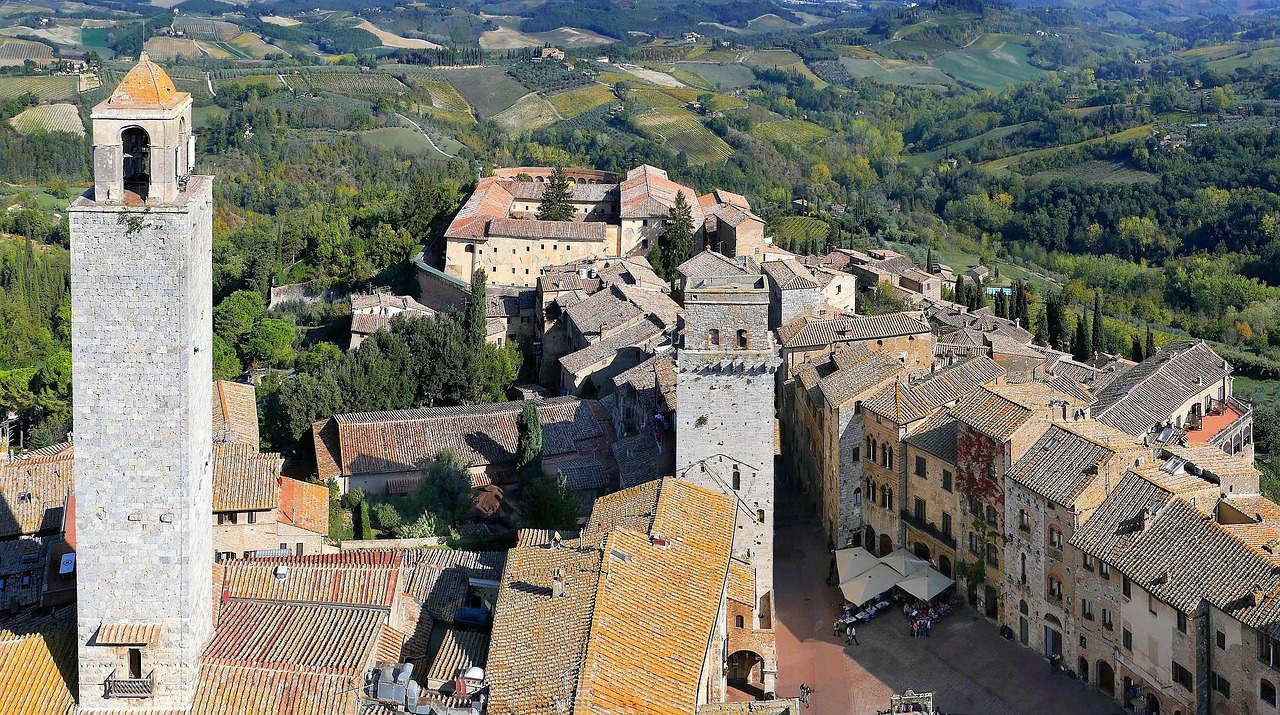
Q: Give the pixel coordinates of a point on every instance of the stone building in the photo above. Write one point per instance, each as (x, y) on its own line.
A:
(809, 337)
(141, 326)
(373, 312)
(793, 291)
(725, 383)
(731, 228)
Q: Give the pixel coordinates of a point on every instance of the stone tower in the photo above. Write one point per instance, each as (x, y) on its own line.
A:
(141, 328)
(725, 382)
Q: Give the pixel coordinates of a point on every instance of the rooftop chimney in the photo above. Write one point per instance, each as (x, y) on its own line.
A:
(557, 583)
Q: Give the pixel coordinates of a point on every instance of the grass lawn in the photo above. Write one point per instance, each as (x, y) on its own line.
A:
(401, 139)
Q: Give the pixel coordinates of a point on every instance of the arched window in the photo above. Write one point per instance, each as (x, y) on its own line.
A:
(1267, 691)
(888, 456)
(857, 496)
(737, 478)
(1022, 606)
(469, 248)
(742, 339)
(713, 337)
(136, 145)
(739, 621)
(888, 499)
(991, 515)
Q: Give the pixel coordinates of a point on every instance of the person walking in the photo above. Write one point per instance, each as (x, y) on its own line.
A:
(851, 635)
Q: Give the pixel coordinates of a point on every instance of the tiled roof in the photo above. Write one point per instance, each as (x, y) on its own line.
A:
(657, 374)
(380, 442)
(554, 230)
(477, 564)
(128, 634)
(34, 492)
(556, 282)
(866, 370)
(710, 264)
(731, 215)
(490, 200)
(1214, 460)
(146, 86)
(533, 191)
(648, 193)
(235, 413)
(249, 689)
(245, 479)
(908, 403)
(295, 635)
(324, 435)
(742, 583)
(604, 310)
(809, 331)
(637, 459)
(788, 274)
(645, 334)
(378, 302)
(1070, 387)
(585, 473)
(356, 578)
(937, 436)
(655, 304)
(997, 412)
(1101, 535)
(458, 651)
(626, 601)
(1062, 463)
(304, 505)
(38, 669)
(368, 323)
(1150, 392)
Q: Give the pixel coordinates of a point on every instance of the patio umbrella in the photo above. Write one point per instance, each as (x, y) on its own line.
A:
(904, 562)
(853, 561)
(925, 584)
(869, 584)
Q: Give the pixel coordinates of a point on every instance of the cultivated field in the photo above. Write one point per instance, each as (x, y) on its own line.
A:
(13, 53)
(680, 130)
(390, 39)
(576, 101)
(254, 45)
(441, 93)
(365, 85)
(888, 71)
(661, 79)
(721, 75)
(783, 60)
(170, 48)
(48, 89)
(989, 69)
(507, 36)
(771, 23)
(1128, 135)
(49, 118)
(489, 89)
(936, 155)
(204, 29)
(791, 131)
(400, 139)
(1102, 172)
(281, 21)
(528, 113)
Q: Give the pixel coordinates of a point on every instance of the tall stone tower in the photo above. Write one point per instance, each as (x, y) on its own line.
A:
(141, 329)
(725, 383)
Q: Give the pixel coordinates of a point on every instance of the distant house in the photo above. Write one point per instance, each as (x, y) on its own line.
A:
(371, 313)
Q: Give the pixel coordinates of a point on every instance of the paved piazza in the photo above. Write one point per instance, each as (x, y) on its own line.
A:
(965, 662)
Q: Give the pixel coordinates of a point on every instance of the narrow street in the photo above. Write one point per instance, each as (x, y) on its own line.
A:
(965, 662)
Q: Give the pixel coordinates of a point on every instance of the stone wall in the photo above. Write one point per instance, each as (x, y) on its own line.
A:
(517, 261)
(266, 533)
(141, 349)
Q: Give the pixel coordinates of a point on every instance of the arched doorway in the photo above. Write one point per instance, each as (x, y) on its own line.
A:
(136, 146)
(744, 668)
(921, 550)
(886, 545)
(869, 539)
(992, 599)
(1106, 678)
(1083, 668)
(1052, 636)
(944, 566)
(1153, 704)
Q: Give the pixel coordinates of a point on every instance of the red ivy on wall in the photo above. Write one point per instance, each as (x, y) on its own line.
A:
(976, 457)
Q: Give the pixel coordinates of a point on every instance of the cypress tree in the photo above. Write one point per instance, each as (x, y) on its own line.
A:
(1024, 307)
(1135, 352)
(1096, 341)
(1080, 348)
(960, 296)
(555, 204)
(677, 236)
(529, 441)
(1151, 344)
(473, 318)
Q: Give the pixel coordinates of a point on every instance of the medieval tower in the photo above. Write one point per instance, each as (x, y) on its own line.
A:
(725, 384)
(141, 304)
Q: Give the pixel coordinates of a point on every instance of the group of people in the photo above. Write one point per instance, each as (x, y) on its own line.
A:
(923, 615)
(851, 614)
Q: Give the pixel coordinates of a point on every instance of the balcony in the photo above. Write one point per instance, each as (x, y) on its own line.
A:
(928, 527)
(114, 687)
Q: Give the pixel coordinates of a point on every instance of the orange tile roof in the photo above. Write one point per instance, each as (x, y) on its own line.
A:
(742, 583)
(128, 634)
(335, 638)
(251, 690)
(35, 493)
(235, 413)
(146, 86)
(304, 505)
(628, 600)
(245, 479)
(353, 578)
(647, 193)
(38, 672)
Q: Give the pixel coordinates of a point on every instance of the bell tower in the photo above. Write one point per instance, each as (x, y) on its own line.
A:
(141, 329)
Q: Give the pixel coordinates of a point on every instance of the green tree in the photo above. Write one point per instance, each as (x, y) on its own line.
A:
(1096, 340)
(236, 315)
(677, 237)
(555, 205)
(548, 503)
(529, 442)
(1135, 351)
(1081, 349)
(474, 317)
(1151, 344)
(226, 364)
(271, 343)
(445, 490)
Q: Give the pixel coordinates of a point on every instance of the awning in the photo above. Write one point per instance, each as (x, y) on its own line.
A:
(127, 634)
(853, 561)
(868, 585)
(925, 584)
(904, 562)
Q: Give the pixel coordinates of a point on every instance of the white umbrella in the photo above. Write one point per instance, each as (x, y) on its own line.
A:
(869, 584)
(853, 561)
(904, 562)
(925, 584)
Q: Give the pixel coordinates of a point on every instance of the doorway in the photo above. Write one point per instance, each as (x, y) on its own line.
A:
(992, 600)
(921, 550)
(886, 545)
(135, 664)
(944, 566)
(1052, 643)
(1106, 678)
(1153, 703)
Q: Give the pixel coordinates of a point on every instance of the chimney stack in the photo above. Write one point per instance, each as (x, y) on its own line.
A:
(557, 583)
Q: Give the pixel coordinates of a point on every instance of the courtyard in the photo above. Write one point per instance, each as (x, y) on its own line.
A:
(965, 662)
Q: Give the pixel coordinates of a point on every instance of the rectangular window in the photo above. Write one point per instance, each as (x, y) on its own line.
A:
(973, 542)
(920, 466)
(1125, 586)
(1055, 539)
(1104, 570)
(1220, 684)
(920, 509)
(1127, 640)
(135, 663)
(946, 479)
(1088, 562)
(1086, 608)
(251, 517)
(1055, 589)
(993, 555)
(1182, 622)
(1268, 650)
(301, 550)
(1151, 603)
(857, 453)
(221, 518)
(231, 517)
(26, 580)
(1024, 520)
(1221, 639)
(1182, 677)
(1106, 619)
(946, 524)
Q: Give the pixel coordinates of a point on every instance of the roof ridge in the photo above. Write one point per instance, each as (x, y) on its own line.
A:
(1155, 371)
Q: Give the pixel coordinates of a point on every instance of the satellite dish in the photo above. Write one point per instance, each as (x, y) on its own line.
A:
(68, 563)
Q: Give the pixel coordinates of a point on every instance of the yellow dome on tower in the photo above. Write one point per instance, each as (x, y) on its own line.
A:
(147, 86)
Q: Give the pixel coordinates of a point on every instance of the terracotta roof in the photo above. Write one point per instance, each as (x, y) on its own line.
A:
(34, 493)
(385, 302)
(583, 193)
(477, 564)
(742, 583)
(458, 651)
(245, 479)
(653, 380)
(995, 413)
(708, 264)
(645, 334)
(380, 442)
(637, 459)
(858, 370)
(648, 193)
(304, 505)
(555, 230)
(731, 215)
(1152, 391)
(490, 200)
(235, 413)
(249, 689)
(1062, 463)
(1214, 460)
(809, 331)
(626, 601)
(38, 667)
(146, 86)
(128, 634)
(907, 403)
(295, 635)
(354, 578)
(937, 436)
(788, 274)
(605, 310)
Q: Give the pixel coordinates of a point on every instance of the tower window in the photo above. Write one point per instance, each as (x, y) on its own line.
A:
(737, 478)
(713, 337)
(137, 159)
(742, 339)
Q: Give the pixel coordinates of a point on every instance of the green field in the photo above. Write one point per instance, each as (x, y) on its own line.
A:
(896, 72)
(679, 130)
(1261, 56)
(95, 37)
(1127, 135)
(937, 155)
(489, 89)
(530, 112)
(691, 78)
(576, 101)
(791, 131)
(49, 118)
(365, 85)
(401, 139)
(46, 88)
(1101, 172)
(989, 69)
(783, 60)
